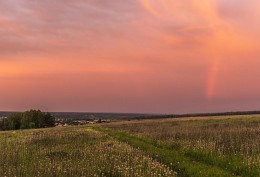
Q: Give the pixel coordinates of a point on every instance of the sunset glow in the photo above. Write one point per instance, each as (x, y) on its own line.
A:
(153, 56)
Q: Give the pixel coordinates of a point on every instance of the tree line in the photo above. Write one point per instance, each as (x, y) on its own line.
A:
(27, 120)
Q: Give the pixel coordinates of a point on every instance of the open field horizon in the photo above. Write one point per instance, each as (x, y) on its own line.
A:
(207, 146)
(146, 88)
(120, 115)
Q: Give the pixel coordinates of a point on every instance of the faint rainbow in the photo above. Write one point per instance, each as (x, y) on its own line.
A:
(208, 10)
(212, 79)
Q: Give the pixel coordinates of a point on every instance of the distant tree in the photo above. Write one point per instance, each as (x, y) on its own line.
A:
(99, 120)
(49, 120)
(31, 125)
(14, 121)
(1, 125)
(26, 120)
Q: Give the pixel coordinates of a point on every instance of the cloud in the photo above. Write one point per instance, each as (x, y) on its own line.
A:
(177, 53)
(59, 25)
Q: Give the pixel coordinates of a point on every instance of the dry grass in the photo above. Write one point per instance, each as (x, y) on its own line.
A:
(72, 152)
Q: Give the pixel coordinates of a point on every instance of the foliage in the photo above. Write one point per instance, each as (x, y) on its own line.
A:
(27, 120)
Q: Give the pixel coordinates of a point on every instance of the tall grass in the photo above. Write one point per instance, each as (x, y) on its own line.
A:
(184, 166)
(72, 152)
(228, 147)
(230, 144)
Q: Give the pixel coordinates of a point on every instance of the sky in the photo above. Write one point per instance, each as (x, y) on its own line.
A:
(146, 56)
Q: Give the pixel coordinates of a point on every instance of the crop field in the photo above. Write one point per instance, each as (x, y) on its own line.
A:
(223, 146)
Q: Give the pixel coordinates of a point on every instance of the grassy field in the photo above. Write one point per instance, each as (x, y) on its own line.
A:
(222, 146)
(73, 151)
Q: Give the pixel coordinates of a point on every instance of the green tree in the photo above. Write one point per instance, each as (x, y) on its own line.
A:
(14, 121)
(49, 120)
(28, 119)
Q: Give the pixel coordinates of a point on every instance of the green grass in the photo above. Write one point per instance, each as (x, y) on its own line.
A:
(182, 164)
(229, 146)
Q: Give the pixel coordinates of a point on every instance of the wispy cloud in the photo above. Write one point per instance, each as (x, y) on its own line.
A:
(134, 55)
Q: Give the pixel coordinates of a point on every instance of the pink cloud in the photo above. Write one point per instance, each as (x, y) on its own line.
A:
(129, 56)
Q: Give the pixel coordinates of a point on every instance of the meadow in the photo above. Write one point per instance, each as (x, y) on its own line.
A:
(220, 146)
(72, 151)
(213, 146)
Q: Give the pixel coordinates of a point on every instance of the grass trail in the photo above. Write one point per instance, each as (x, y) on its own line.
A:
(183, 165)
(232, 144)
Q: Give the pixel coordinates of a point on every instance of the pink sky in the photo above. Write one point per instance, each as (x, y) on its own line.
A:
(151, 56)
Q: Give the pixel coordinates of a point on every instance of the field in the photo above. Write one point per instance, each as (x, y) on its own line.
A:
(217, 146)
(72, 151)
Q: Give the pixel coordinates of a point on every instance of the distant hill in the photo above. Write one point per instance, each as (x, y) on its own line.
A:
(90, 115)
(126, 116)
